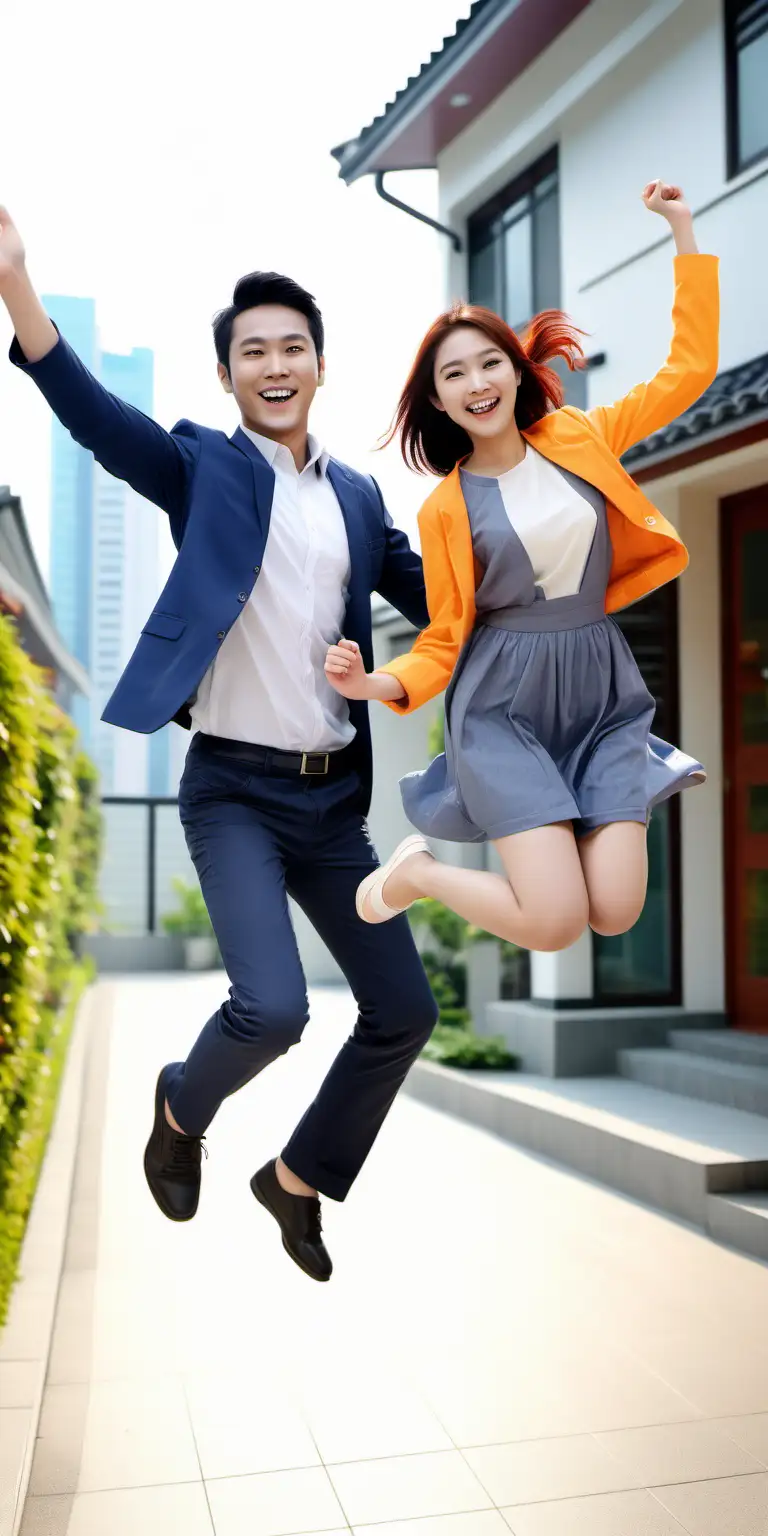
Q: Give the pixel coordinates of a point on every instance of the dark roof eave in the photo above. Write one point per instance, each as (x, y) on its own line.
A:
(489, 48)
(359, 157)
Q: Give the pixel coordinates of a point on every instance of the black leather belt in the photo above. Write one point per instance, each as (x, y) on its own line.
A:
(309, 765)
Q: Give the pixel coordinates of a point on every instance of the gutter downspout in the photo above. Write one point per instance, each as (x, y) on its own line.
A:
(424, 218)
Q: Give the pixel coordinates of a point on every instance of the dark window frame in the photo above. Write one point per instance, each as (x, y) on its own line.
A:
(523, 185)
(667, 725)
(735, 165)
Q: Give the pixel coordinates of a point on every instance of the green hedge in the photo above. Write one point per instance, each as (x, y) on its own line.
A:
(50, 836)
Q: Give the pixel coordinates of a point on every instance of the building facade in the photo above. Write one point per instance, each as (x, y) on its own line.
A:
(105, 571)
(24, 598)
(544, 123)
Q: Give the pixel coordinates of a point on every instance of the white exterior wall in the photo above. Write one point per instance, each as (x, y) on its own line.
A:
(631, 91)
(635, 89)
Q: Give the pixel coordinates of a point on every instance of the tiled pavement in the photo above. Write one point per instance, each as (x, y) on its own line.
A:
(503, 1346)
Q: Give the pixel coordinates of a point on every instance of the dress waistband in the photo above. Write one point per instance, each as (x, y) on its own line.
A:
(553, 614)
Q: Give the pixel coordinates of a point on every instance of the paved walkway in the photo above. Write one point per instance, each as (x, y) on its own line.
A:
(503, 1347)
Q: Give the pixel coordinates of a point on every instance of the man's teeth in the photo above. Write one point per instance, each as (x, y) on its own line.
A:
(277, 394)
(481, 406)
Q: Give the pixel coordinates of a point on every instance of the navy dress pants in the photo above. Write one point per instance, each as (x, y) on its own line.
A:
(255, 838)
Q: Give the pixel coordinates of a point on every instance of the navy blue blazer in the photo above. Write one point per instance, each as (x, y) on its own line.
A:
(217, 492)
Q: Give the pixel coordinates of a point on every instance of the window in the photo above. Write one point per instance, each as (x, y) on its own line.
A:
(644, 965)
(514, 246)
(514, 255)
(746, 56)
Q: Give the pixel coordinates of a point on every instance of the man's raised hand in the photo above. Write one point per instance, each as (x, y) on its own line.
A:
(12, 259)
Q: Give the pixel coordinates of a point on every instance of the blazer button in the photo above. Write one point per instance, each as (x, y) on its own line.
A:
(651, 521)
(256, 570)
(222, 634)
(242, 597)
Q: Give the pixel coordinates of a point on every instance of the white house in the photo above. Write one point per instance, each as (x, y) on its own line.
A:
(544, 119)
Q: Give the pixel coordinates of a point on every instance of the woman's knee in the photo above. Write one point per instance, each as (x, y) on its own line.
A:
(615, 908)
(610, 919)
(558, 932)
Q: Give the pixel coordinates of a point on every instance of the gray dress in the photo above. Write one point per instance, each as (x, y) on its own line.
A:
(547, 716)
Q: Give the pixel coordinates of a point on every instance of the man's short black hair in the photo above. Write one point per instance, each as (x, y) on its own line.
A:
(266, 288)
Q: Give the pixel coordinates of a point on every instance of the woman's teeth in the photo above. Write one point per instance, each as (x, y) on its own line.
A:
(483, 407)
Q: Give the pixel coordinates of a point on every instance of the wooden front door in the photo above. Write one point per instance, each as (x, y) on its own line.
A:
(745, 687)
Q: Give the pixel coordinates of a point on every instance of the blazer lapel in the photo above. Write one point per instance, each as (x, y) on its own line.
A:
(349, 500)
(263, 478)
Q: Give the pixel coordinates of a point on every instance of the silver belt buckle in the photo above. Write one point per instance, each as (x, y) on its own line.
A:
(315, 773)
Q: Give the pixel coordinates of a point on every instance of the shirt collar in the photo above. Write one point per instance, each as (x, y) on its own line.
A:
(281, 457)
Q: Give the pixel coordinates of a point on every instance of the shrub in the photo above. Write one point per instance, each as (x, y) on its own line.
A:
(26, 1133)
(190, 918)
(446, 927)
(457, 1047)
(454, 1042)
(49, 848)
(455, 1018)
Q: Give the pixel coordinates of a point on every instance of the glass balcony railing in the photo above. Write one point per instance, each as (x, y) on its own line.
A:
(144, 849)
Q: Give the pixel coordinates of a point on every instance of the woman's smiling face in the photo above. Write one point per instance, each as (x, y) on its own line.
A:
(475, 382)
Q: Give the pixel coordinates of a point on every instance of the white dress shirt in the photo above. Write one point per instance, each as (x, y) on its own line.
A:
(267, 684)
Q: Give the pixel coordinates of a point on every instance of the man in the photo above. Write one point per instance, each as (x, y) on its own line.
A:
(279, 548)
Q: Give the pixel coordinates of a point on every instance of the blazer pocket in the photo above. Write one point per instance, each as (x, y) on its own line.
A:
(376, 545)
(167, 625)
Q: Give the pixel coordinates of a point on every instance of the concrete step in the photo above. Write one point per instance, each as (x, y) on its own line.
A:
(699, 1077)
(732, 1045)
(667, 1150)
(741, 1221)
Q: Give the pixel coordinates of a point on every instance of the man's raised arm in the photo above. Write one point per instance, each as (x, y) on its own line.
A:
(35, 332)
(126, 442)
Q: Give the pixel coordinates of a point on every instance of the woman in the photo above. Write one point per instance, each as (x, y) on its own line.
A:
(533, 537)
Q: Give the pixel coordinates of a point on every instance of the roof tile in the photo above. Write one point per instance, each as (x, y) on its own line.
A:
(734, 396)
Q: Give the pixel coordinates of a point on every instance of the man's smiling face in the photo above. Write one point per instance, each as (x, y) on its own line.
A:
(274, 370)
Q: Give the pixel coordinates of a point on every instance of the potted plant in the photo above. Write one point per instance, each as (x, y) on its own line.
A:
(191, 922)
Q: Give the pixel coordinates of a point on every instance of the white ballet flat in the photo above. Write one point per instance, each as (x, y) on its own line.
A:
(370, 889)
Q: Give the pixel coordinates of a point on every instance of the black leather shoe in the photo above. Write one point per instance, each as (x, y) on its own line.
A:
(298, 1217)
(172, 1163)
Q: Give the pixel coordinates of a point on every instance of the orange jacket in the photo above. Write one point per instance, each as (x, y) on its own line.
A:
(647, 552)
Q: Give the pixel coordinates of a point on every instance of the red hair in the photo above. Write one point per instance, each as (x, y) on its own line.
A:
(430, 442)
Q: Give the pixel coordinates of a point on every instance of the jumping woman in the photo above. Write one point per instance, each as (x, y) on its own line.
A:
(534, 536)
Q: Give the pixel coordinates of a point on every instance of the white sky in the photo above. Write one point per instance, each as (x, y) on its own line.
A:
(154, 152)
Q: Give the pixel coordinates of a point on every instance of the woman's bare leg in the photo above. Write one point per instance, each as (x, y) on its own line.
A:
(542, 904)
(615, 864)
